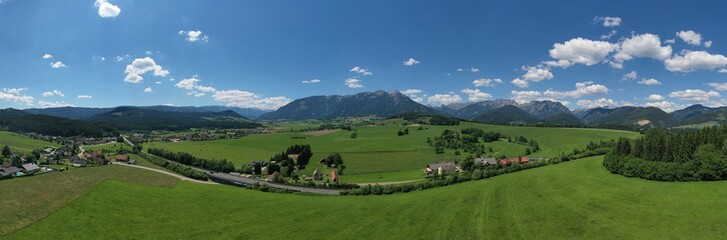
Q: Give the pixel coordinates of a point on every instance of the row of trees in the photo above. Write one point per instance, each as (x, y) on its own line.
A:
(175, 167)
(187, 159)
(671, 156)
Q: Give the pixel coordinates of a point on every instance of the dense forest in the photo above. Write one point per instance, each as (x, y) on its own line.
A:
(18, 121)
(672, 156)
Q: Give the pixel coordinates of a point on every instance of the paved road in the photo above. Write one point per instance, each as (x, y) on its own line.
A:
(247, 181)
(183, 178)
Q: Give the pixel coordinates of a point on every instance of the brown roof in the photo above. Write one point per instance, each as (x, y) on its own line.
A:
(122, 157)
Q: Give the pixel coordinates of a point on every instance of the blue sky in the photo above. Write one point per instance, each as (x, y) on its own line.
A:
(266, 53)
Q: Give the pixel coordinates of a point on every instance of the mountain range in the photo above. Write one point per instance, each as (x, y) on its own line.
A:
(84, 113)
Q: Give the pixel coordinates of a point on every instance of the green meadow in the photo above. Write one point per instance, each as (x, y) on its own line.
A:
(21, 143)
(378, 154)
(577, 199)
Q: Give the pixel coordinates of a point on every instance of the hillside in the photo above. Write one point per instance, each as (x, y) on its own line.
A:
(20, 121)
(21, 143)
(717, 115)
(132, 118)
(85, 113)
(544, 109)
(478, 108)
(553, 198)
(379, 103)
(563, 119)
(506, 115)
(691, 112)
(639, 117)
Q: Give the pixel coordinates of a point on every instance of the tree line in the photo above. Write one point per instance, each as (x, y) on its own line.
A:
(187, 159)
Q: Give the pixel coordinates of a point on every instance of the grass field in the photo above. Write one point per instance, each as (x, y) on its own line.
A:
(378, 151)
(578, 199)
(21, 143)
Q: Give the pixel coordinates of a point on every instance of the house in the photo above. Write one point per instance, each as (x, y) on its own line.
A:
(78, 162)
(520, 160)
(260, 163)
(442, 167)
(486, 161)
(122, 158)
(31, 167)
(174, 139)
(317, 175)
(9, 171)
(272, 177)
(334, 176)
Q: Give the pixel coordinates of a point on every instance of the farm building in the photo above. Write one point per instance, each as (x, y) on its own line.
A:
(486, 161)
(122, 158)
(520, 160)
(317, 175)
(31, 167)
(9, 171)
(78, 162)
(442, 167)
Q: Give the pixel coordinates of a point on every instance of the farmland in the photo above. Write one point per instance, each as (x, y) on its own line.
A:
(21, 143)
(577, 199)
(378, 154)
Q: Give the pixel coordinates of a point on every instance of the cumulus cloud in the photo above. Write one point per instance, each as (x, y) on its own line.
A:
(664, 105)
(644, 45)
(85, 96)
(695, 60)
(708, 43)
(694, 95)
(582, 51)
(655, 97)
(608, 21)
(16, 95)
(414, 94)
(58, 64)
(312, 81)
(200, 95)
(475, 95)
(690, 37)
(486, 82)
(122, 58)
(532, 74)
(47, 104)
(361, 71)
(141, 66)
(525, 96)
(194, 35)
(601, 102)
(560, 63)
(106, 9)
(54, 93)
(354, 83)
(474, 70)
(582, 89)
(723, 70)
(649, 82)
(47, 56)
(245, 99)
(147, 90)
(520, 83)
(411, 62)
(608, 35)
(718, 86)
(192, 84)
(444, 99)
(630, 76)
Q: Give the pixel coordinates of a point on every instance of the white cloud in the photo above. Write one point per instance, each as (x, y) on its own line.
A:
(708, 43)
(361, 71)
(147, 90)
(313, 81)
(532, 74)
(200, 95)
(141, 66)
(609, 35)
(158, 82)
(694, 95)
(644, 45)
(718, 86)
(475, 95)
(630, 76)
(474, 69)
(194, 35)
(46, 104)
(520, 83)
(649, 82)
(85, 96)
(486, 82)
(525, 96)
(16, 95)
(670, 41)
(460, 70)
(192, 84)
(122, 58)
(414, 94)
(47, 56)
(354, 83)
(582, 89)
(411, 62)
(601, 102)
(695, 60)
(58, 64)
(655, 97)
(690, 37)
(244, 99)
(664, 105)
(583, 51)
(608, 21)
(443, 99)
(54, 93)
(106, 9)
(560, 63)
(723, 70)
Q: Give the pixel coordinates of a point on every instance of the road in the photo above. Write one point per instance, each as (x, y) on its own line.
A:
(180, 177)
(247, 181)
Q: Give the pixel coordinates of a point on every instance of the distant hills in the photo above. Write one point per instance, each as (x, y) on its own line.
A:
(21, 121)
(379, 103)
(85, 113)
(134, 118)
